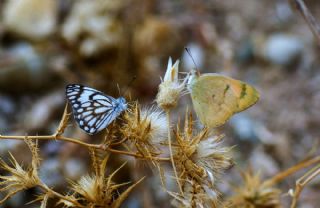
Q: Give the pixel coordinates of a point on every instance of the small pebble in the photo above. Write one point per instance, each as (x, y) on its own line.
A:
(282, 49)
(32, 19)
(25, 67)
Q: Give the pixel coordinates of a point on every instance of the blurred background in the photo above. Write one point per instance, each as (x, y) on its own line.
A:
(47, 44)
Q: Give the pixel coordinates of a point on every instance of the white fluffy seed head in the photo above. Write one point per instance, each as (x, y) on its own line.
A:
(159, 127)
(208, 147)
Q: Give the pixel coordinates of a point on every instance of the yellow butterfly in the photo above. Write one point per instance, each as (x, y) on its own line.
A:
(216, 97)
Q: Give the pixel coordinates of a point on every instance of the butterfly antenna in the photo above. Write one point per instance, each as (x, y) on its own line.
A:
(130, 83)
(118, 89)
(189, 53)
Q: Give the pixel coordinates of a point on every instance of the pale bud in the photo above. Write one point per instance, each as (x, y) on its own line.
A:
(170, 88)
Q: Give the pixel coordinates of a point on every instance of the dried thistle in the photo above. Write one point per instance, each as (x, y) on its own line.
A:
(19, 178)
(167, 98)
(200, 159)
(213, 156)
(170, 87)
(199, 155)
(254, 193)
(63, 122)
(144, 129)
(97, 190)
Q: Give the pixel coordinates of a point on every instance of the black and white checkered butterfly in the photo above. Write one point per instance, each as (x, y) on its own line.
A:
(92, 109)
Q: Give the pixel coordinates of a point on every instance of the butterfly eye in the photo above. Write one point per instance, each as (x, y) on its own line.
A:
(92, 109)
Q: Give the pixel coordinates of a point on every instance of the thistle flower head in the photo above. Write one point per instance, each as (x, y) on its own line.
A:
(255, 193)
(98, 190)
(170, 88)
(198, 155)
(199, 159)
(144, 128)
(19, 178)
(213, 156)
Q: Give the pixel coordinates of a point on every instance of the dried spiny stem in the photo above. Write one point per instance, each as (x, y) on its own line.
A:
(84, 144)
(64, 122)
(301, 183)
(33, 146)
(196, 196)
(284, 174)
(110, 138)
(155, 129)
(99, 160)
(171, 153)
(44, 200)
(68, 201)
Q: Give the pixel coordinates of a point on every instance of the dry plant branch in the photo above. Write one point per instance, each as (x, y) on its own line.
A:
(301, 7)
(20, 178)
(58, 195)
(258, 193)
(284, 174)
(19, 174)
(104, 188)
(88, 145)
(58, 136)
(301, 183)
(171, 154)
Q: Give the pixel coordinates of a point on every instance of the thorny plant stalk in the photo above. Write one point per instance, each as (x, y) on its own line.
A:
(58, 136)
(58, 195)
(254, 192)
(21, 179)
(284, 174)
(171, 154)
(88, 145)
(300, 184)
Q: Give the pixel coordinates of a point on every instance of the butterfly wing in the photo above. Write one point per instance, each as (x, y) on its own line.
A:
(92, 109)
(216, 98)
